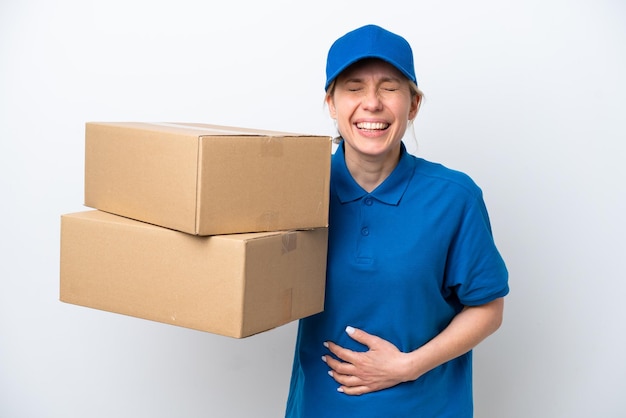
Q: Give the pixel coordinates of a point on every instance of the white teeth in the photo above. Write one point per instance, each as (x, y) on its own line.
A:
(372, 125)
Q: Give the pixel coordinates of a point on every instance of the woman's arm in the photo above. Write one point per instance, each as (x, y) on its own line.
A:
(384, 366)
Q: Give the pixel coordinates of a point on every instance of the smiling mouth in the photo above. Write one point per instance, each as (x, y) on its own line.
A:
(372, 126)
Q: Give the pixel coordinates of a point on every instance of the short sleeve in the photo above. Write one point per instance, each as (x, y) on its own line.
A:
(475, 270)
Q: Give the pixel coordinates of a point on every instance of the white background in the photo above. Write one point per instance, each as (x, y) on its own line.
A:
(527, 97)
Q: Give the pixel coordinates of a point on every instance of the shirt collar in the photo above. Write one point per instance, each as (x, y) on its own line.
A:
(390, 191)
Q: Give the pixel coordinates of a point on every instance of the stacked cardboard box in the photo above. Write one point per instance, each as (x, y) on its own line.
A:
(214, 228)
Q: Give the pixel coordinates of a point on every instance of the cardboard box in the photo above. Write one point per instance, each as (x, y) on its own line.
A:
(234, 285)
(208, 179)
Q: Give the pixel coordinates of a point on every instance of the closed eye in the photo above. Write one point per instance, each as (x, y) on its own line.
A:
(390, 86)
(354, 87)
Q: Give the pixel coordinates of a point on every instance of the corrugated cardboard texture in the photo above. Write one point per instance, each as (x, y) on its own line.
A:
(234, 285)
(207, 179)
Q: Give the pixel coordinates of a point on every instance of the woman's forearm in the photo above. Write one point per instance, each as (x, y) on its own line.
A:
(471, 326)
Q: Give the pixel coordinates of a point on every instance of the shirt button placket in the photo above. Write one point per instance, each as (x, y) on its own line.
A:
(365, 246)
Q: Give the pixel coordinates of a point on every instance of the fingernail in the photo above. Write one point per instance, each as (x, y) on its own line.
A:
(330, 373)
(349, 330)
(326, 344)
(324, 359)
(340, 390)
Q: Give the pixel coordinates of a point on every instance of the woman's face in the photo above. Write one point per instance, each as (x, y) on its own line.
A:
(372, 104)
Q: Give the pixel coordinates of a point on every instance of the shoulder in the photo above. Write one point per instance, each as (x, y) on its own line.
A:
(445, 177)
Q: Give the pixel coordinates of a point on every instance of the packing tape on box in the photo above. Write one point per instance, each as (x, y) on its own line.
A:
(287, 301)
(267, 220)
(290, 241)
(271, 147)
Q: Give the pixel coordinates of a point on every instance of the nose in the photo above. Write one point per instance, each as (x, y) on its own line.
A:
(371, 100)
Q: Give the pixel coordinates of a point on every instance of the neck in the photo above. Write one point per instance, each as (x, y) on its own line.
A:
(370, 171)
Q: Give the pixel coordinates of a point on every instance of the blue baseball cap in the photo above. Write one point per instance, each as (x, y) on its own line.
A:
(369, 41)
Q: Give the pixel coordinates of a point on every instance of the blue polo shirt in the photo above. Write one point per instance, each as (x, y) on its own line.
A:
(403, 260)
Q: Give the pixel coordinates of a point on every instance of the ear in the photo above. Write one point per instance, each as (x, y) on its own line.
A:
(331, 106)
(415, 102)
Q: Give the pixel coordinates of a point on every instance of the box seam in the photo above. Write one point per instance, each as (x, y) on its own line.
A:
(198, 183)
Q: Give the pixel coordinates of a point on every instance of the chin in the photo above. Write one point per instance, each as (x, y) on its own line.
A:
(377, 147)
